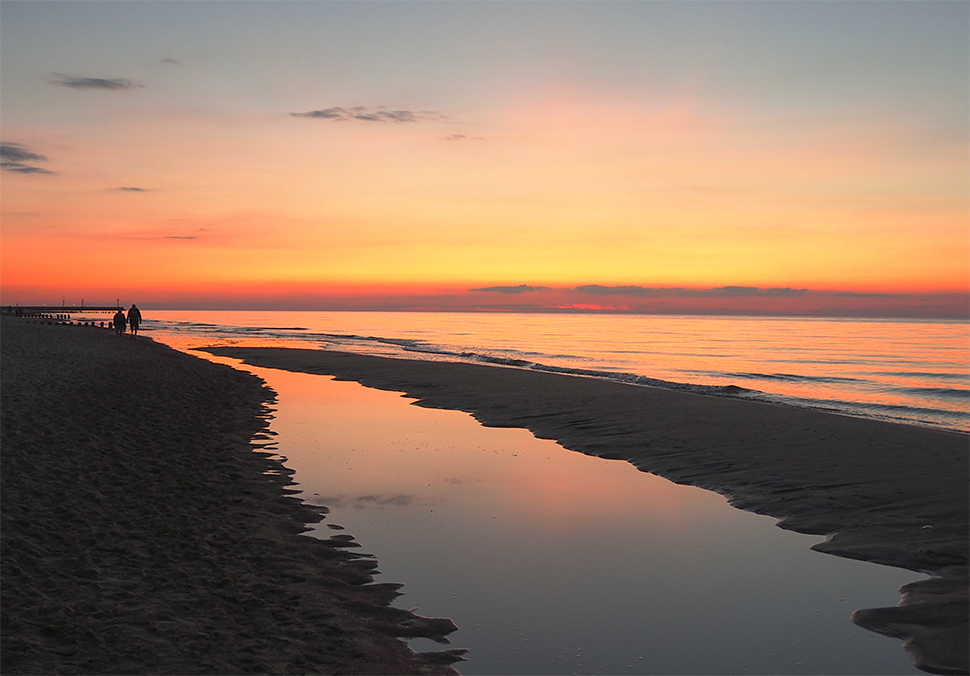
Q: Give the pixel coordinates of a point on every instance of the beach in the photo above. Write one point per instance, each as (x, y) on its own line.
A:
(880, 492)
(147, 528)
(145, 531)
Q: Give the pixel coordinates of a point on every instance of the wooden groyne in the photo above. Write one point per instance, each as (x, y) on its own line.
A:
(55, 312)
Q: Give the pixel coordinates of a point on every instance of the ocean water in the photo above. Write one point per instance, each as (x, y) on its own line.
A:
(908, 371)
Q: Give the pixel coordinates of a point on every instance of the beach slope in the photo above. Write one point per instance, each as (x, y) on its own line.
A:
(880, 492)
(144, 532)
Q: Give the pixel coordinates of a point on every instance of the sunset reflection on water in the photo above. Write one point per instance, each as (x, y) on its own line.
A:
(372, 454)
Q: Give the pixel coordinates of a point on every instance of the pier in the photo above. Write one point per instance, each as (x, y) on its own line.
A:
(53, 311)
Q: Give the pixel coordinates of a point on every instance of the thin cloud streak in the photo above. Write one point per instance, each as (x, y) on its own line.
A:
(158, 237)
(521, 288)
(721, 291)
(364, 114)
(23, 168)
(16, 152)
(76, 82)
(14, 157)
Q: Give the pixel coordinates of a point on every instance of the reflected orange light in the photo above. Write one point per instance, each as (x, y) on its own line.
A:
(362, 442)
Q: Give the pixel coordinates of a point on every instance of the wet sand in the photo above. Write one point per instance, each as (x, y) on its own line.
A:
(144, 532)
(891, 494)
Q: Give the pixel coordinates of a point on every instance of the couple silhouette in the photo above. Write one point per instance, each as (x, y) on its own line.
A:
(133, 320)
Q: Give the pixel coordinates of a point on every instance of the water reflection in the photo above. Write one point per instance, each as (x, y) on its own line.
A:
(554, 562)
(912, 371)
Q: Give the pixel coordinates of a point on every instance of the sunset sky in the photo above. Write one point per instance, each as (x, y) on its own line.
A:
(805, 157)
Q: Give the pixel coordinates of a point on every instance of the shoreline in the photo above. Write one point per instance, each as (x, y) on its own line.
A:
(145, 531)
(880, 492)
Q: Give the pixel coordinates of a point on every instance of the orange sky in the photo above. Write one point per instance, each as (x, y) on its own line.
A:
(177, 168)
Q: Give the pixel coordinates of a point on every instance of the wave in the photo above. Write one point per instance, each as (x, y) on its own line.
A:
(897, 413)
(936, 375)
(615, 376)
(936, 392)
(786, 377)
(264, 329)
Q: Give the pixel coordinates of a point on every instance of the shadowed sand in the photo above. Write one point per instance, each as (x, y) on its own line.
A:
(142, 533)
(886, 493)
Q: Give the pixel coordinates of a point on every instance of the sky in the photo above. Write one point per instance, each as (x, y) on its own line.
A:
(728, 157)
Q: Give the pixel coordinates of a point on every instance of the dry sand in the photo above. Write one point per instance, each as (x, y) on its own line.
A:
(886, 493)
(141, 532)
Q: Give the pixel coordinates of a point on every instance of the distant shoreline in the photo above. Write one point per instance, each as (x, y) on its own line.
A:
(886, 493)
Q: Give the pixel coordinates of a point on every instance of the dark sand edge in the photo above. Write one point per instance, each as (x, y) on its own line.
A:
(144, 532)
(891, 494)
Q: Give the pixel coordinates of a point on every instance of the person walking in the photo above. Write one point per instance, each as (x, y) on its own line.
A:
(119, 322)
(134, 319)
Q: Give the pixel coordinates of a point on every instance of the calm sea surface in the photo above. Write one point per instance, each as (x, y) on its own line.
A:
(909, 371)
(553, 562)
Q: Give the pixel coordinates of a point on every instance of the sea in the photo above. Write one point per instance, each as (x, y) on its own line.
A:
(915, 372)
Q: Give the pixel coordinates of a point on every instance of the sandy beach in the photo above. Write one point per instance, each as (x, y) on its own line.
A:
(143, 530)
(879, 492)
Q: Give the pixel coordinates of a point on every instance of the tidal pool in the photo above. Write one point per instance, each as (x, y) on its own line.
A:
(553, 562)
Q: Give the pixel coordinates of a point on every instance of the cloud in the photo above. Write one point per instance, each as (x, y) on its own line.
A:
(75, 82)
(521, 288)
(155, 238)
(15, 152)
(364, 114)
(625, 290)
(170, 61)
(853, 294)
(23, 168)
(387, 116)
(132, 189)
(325, 114)
(14, 157)
(753, 291)
(719, 292)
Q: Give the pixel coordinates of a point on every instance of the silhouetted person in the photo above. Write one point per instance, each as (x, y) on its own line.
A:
(119, 322)
(134, 319)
